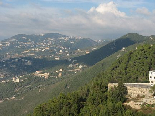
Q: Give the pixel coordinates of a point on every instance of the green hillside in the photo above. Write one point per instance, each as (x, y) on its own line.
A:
(94, 99)
(134, 66)
(110, 48)
(35, 97)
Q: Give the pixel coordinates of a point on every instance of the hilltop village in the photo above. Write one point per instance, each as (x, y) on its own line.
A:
(38, 46)
(21, 52)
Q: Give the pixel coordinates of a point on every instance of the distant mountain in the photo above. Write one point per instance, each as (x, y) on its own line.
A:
(110, 48)
(46, 45)
(23, 54)
(63, 40)
(33, 37)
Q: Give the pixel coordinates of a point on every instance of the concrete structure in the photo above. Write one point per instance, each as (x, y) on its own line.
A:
(142, 89)
(15, 80)
(138, 93)
(135, 89)
(152, 77)
(41, 74)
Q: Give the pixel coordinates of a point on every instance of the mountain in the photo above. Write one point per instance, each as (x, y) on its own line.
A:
(47, 45)
(110, 48)
(41, 92)
(134, 66)
(23, 54)
(95, 99)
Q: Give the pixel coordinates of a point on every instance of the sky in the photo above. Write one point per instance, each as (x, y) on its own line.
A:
(95, 19)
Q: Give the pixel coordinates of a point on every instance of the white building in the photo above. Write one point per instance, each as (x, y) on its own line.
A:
(152, 77)
(15, 80)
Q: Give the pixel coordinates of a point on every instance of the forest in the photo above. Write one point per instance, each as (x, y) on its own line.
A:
(95, 98)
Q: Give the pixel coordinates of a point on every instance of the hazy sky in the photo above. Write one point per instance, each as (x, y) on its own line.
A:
(96, 19)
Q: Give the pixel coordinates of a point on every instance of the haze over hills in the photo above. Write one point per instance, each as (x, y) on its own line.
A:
(43, 46)
(22, 54)
(51, 87)
(112, 47)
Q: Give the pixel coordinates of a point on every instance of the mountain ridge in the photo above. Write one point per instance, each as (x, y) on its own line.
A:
(112, 47)
(71, 84)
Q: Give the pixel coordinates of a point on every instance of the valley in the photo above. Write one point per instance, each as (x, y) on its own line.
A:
(23, 54)
(33, 80)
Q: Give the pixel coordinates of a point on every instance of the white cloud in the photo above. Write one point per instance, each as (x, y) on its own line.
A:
(143, 11)
(104, 21)
(107, 8)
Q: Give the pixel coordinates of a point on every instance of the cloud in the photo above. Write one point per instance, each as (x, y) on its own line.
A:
(107, 8)
(101, 22)
(73, 1)
(4, 5)
(143, 11)
(1, 2)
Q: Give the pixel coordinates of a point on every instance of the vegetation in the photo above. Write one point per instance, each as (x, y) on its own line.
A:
(133, 66)
(95, 99)
(35, 97)
(16, 66)
(153, 90)
(111, 48)
(31, 82)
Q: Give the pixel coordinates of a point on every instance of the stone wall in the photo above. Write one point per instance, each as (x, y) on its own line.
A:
(141, 92)
(135, 89)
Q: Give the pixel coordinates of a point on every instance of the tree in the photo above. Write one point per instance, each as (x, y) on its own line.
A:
(153, 90)
(122, 91)
(118, 94)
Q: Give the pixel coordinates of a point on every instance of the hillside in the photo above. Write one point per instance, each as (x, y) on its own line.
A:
(67, 84)
(112, 47)
(132, 67)
(35, 97)
(48, 45)
(39, 52)
(23, 54)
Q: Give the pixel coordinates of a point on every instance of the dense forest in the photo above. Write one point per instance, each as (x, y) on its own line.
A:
(95, 99)
(133, 66)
